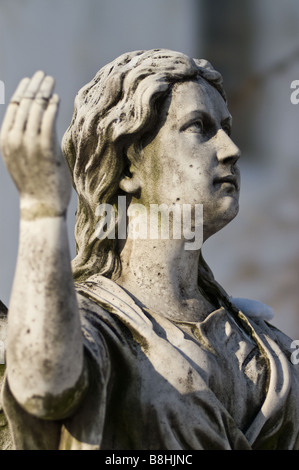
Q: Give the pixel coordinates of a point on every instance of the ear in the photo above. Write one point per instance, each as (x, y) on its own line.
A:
(130, 184)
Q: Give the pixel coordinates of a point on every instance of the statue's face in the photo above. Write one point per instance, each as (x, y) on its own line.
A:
(192, 159)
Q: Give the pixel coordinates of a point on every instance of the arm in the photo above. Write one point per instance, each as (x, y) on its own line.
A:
(44, 343)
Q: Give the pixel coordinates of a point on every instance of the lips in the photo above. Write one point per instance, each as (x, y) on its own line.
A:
(231, 179)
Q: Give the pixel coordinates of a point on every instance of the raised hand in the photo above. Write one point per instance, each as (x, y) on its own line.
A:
(30, 149)
(44, 340)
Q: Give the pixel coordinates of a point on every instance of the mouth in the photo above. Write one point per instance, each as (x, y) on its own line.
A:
(228, 181)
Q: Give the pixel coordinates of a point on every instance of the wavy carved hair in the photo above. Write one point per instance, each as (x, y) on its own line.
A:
(117, 108)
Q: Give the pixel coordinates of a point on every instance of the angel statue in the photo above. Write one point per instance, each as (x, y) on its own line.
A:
(133, 345)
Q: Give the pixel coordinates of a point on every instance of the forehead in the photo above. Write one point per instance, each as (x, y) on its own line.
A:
(199, 95)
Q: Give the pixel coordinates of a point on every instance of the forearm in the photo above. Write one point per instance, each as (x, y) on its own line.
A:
(44, 344)
(44, 341)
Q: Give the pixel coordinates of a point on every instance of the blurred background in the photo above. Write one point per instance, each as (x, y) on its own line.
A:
(255, 45)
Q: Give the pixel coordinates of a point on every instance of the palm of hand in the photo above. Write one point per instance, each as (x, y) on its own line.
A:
(30, 149)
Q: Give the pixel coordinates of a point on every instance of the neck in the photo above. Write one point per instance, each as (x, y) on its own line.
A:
(163, 276)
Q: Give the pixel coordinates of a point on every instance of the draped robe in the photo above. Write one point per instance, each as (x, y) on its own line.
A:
(227, 382)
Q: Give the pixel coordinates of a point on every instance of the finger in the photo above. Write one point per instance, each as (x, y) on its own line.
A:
(21, 88)
(46, 88)
(39, 105)
(49, 118)
(13, 106)
(26, 100)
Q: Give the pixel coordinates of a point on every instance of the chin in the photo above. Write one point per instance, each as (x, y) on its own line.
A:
(230, 210)
(230, 207)
(222, 217)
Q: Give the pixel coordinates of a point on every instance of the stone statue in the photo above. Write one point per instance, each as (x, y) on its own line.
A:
(135, 345)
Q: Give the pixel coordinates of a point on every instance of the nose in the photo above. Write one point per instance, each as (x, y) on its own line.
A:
(226, 149)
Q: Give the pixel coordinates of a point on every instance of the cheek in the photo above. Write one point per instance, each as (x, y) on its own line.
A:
(200, 175)
(200, 159)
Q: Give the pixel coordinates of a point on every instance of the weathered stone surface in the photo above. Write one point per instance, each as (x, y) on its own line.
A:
(135, 346)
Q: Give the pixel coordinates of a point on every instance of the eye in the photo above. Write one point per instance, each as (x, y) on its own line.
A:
(195, 127)
(227, 129)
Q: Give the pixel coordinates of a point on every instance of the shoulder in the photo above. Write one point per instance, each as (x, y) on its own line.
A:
(105, 328)
(260, 315)
(253, 308)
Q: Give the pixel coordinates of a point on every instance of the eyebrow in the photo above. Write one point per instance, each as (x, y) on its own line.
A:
(198, 114)
(227, 122)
